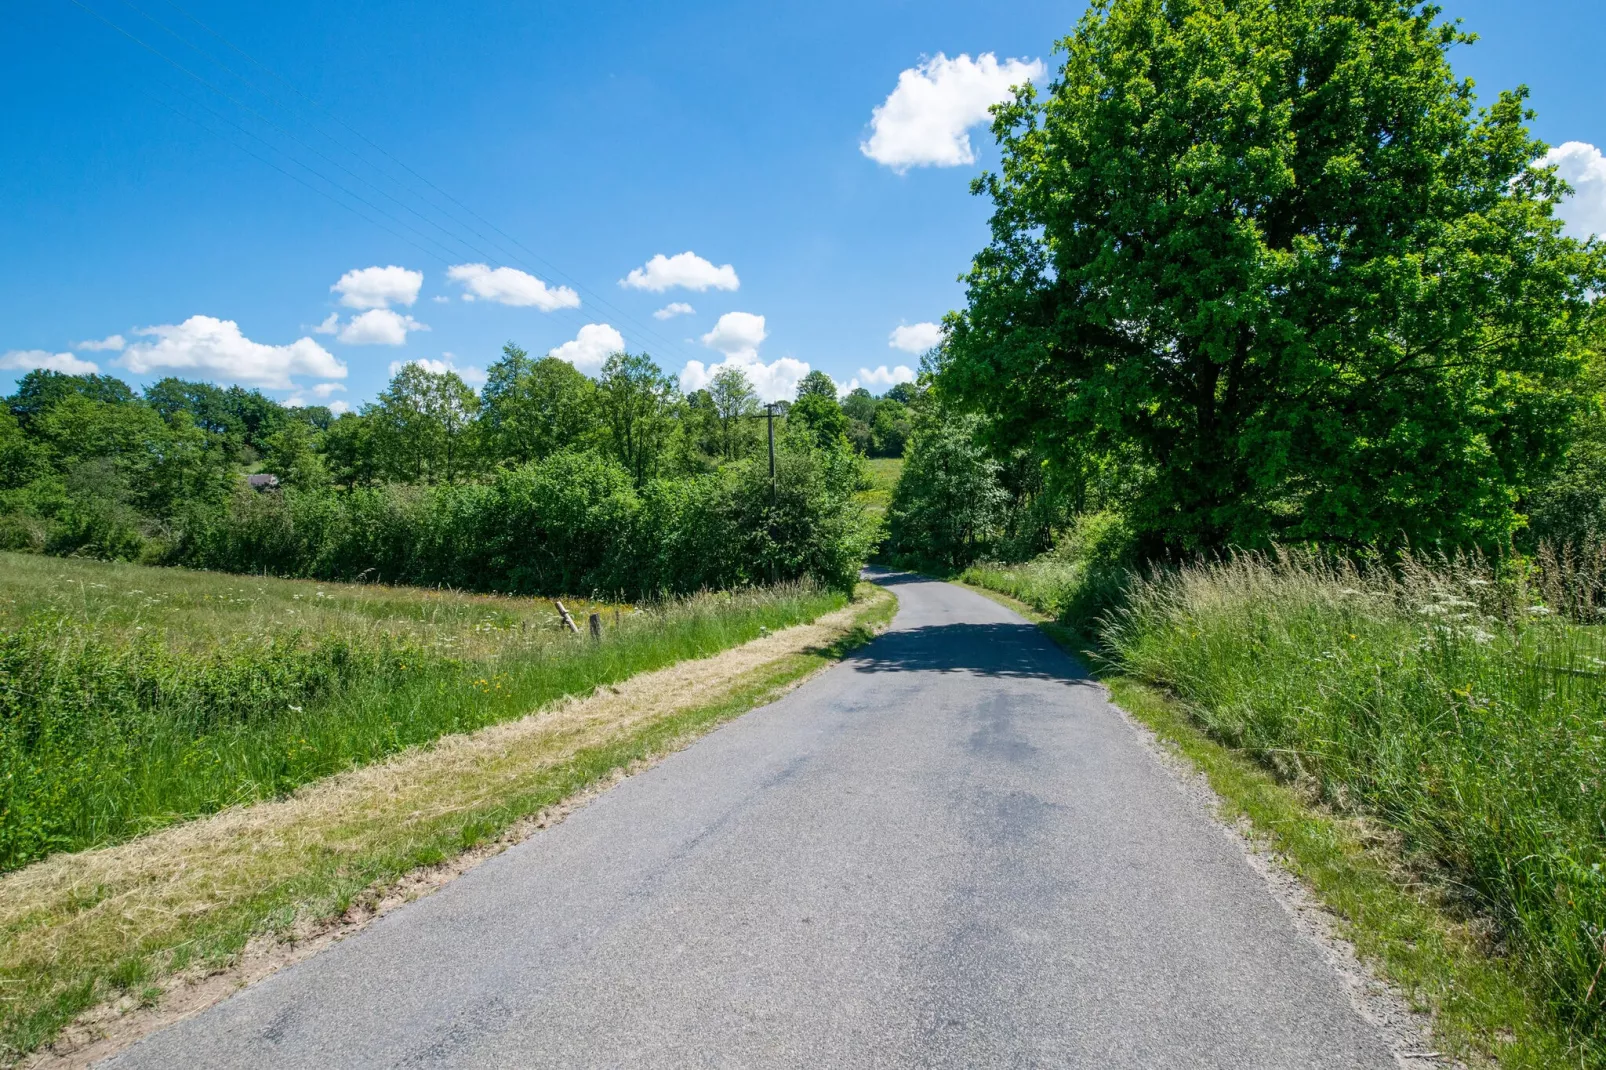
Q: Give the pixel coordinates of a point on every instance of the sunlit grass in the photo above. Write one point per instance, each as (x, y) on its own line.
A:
(134, 698)
(1457, 705)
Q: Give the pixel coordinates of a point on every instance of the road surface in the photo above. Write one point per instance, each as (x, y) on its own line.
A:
(947, 851)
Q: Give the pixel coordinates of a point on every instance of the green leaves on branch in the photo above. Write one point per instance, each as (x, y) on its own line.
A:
(1275, 249)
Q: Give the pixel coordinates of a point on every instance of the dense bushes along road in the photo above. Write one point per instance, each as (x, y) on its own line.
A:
(548, 481)
(571, 522)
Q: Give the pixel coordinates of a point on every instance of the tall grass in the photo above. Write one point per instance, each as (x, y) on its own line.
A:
(1083, 577)
(109, 729)
(1464, 706)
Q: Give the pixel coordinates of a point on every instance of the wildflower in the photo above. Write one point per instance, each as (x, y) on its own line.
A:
(297, 709)
(1538, 611)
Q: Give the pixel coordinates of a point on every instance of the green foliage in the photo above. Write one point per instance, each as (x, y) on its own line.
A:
(734, 403)
(534, 408)
(637, 401)
(553, 484)
(573, 522)
(291, 454)
(1458, 704)
(1272, 248)
(1571, 507)
(817, 383)
(820, 418)
(39, 390)
(890, 428)
(1084, 577)
(424, 425)
(949, 504)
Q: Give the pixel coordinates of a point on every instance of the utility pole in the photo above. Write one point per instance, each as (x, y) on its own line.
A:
(769, 414)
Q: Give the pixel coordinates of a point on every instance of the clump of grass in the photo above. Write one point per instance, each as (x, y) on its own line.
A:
(1084, 575)
(109, 729)
(1464, 706)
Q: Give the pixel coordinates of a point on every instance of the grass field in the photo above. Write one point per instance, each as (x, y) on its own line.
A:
(134, 698)
(884, 473)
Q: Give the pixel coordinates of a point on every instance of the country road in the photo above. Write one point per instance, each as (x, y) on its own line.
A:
(947, 851)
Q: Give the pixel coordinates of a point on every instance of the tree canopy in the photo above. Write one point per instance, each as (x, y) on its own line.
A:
(1276, 249)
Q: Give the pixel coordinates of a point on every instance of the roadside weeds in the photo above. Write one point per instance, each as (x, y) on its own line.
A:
(120, 941)
(1395, 918)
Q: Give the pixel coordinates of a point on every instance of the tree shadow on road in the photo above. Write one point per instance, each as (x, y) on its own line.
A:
(1009, 650)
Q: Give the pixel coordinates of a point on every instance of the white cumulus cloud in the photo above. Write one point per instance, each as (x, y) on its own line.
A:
(595, 343)
(468, 373)
(1582, 165)
(216, 349)
(673, 309)
(925, 121)
(330, 324)
(510, 286)
(379, 327)
(738, 335)
(113, 342)
(915, 337)
(338, 407)
(378, 287)
(27, 360)
(884, 377)
(686, 270)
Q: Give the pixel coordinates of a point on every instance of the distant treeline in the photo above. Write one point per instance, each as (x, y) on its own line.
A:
(545, 481)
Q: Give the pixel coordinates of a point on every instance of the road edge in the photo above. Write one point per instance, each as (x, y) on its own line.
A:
(1402, 959)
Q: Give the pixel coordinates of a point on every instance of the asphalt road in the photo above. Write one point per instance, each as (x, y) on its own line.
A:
(947, 851)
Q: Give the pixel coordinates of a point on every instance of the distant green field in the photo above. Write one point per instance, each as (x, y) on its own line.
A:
(884, 471)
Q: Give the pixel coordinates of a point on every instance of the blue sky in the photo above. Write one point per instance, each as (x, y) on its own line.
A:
(577, 142)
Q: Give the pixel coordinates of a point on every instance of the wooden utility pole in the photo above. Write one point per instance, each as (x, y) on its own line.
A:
(769, 413)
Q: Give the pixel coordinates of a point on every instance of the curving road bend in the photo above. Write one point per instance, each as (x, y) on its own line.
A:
(948, 851)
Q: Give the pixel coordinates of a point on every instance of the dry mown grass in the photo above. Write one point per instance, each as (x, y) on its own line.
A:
(190, 897)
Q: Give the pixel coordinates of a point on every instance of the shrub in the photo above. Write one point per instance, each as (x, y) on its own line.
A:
(572, 522)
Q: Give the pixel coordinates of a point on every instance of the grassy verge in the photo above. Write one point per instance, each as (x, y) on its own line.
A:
(135, 698)
(1486, 1006)
(80, 929)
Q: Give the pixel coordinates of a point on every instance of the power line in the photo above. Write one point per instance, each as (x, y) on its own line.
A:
(552, 269)
(629, 321)
(257, 137)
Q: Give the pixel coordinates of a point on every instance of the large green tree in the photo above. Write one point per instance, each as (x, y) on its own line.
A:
(637, 401)
(1273, 245)
(734, 402)
(534, 408)
(425, 421)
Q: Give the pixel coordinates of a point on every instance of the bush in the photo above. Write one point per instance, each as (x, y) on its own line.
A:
(1080, 580)
(571, 523)
(949, 504)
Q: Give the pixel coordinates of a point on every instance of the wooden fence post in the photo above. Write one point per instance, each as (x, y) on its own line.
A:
(596, 625)
(568, 621)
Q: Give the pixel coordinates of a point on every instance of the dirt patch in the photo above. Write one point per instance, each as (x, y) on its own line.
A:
(136, 894)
